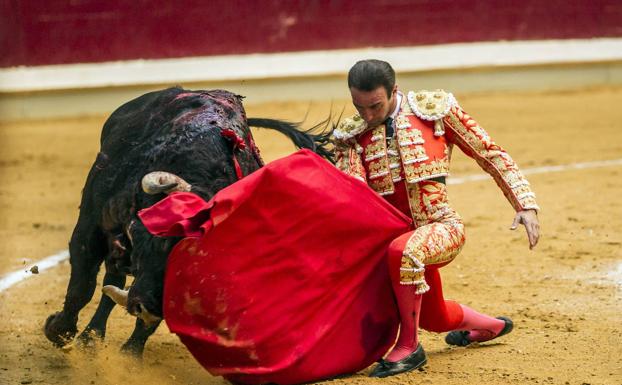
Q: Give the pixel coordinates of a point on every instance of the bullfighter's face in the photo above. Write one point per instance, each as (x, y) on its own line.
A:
(374, 106)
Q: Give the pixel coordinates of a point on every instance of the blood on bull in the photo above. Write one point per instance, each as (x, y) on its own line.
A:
(163, 141)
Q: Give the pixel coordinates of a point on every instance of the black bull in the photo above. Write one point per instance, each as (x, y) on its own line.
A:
(195, 135)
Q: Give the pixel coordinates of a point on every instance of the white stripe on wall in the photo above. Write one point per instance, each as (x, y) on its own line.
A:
(306, 64)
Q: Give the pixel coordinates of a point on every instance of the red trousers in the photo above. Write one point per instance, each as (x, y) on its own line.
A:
(437, 314)
(434, 243)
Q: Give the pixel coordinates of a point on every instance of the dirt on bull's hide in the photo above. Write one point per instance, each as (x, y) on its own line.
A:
(565, 297)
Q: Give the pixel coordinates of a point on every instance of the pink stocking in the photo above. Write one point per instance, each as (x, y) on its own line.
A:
(409, 305)
(481, 327)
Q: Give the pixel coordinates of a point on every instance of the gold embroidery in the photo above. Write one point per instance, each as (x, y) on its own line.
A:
(416, 205)
(439, 234)
(395, 164)
(349, 128)
(433, 169)
(413, 154)
(377, 164)
(376, 149)
(432, 244)
(431, 105)
(396, 174)
(402, 121)
(429, 202)
(410, 141)
(378, 168)
(349, 161)
(383, 185)
(476, 143)
(410, 136)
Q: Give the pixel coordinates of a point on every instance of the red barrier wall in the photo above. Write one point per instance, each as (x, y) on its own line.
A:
(71, 31)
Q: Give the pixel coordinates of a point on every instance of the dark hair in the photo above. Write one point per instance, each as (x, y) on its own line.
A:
(367, 75)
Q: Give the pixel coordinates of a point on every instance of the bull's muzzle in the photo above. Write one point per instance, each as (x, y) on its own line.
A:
(119, 296)
(157, 182)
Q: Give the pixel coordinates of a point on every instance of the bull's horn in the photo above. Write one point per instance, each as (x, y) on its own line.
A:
(160, 181)
(117, 295)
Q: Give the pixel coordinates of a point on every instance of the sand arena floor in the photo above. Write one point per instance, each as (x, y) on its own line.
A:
(565, 296)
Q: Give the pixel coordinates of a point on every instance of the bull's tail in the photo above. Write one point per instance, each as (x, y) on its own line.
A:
(316, 139)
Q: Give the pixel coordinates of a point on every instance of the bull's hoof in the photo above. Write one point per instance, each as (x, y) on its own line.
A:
(133, 348)
(89, 338)
(58, 330)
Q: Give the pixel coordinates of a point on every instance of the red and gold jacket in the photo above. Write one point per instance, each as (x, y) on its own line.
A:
(427, 126)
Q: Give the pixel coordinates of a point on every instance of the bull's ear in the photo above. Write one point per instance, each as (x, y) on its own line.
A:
(117, 295)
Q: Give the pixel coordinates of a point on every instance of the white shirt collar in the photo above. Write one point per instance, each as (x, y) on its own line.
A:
(397, 105)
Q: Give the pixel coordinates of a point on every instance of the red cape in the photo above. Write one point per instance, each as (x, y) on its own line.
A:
(284, 278)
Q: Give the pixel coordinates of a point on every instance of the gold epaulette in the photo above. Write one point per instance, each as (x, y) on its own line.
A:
(432, 106)
(349, 128)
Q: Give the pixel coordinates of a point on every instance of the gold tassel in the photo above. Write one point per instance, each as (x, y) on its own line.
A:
(439, 127)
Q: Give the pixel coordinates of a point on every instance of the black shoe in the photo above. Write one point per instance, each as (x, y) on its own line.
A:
(461, 337)
(413, 361)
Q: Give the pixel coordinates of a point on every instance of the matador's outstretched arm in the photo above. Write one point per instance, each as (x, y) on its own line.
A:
(473, 140)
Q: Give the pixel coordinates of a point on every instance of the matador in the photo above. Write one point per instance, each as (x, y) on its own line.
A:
(400, 144)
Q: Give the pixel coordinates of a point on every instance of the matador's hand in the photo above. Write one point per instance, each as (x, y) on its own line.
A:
(529, 218)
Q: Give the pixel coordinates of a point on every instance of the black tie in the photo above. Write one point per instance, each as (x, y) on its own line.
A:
(389, 126)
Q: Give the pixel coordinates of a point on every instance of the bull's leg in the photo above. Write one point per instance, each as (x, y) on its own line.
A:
(86, 255)
(97, 326)
(136, 343)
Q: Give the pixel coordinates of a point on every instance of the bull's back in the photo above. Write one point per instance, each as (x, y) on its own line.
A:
(174, 130)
